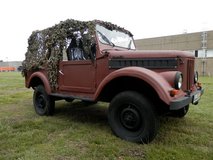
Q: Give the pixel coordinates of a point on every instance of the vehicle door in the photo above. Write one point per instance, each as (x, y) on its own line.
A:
(77, 76)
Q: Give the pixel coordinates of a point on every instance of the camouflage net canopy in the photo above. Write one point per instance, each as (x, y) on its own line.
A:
(46, 47)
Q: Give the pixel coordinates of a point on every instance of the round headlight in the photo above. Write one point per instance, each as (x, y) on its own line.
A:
(196, 77)
(178, 80)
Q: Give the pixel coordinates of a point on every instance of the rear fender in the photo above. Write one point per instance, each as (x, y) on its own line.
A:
(42, 77)
(155, 80)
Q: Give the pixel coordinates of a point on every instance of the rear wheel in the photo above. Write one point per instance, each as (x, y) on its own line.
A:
(132, 117)
(43, 103)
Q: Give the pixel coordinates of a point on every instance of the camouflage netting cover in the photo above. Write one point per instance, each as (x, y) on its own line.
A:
(45, 47)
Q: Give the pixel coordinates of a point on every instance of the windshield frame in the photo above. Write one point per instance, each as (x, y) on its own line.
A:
(114, 37)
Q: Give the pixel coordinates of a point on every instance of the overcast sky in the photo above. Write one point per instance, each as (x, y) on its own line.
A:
(144, 18)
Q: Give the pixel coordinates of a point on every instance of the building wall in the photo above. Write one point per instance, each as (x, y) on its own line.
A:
(186, 42)
(15, 64)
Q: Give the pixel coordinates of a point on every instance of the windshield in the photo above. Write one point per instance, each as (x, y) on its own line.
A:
(114, 38)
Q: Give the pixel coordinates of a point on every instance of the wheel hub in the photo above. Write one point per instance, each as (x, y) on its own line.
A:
(41, 103)
(130, 118)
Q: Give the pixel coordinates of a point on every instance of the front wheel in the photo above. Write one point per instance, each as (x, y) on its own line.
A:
(43, 103)
(132, 117)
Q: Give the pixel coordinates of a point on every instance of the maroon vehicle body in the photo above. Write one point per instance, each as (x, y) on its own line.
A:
(115, 70)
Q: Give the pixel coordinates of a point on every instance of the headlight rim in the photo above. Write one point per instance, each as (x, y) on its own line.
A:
(196, 77)
(178, 82)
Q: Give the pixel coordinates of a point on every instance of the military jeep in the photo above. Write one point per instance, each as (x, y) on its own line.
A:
(97, 61)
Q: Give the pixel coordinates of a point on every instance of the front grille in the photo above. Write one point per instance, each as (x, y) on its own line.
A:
(190, 73)
(150, 63)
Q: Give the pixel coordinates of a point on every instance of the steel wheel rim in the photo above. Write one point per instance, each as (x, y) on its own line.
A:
(130, 118)
(40, 102)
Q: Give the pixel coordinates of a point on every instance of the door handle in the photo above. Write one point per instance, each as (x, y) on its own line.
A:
(60, 71)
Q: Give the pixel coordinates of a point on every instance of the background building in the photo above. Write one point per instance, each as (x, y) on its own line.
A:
(197, 43)
(10, 66)
(200, 44)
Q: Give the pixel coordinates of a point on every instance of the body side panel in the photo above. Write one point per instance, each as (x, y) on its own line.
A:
(155, 80)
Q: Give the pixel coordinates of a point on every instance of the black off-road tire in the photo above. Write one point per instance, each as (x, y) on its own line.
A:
(43, 103)
(181, 112)
(132, 117)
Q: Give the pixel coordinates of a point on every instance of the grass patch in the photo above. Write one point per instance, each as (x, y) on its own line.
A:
(78, 131)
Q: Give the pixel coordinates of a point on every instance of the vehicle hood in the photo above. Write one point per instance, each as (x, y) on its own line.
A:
(135, 54)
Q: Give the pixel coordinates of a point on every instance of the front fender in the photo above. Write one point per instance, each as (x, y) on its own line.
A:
(42, 77)
(155, 80)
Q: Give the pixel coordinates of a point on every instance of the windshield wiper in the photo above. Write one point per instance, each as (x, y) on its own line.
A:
(106, 39)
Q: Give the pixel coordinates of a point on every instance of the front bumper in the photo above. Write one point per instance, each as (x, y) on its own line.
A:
(184, 101)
